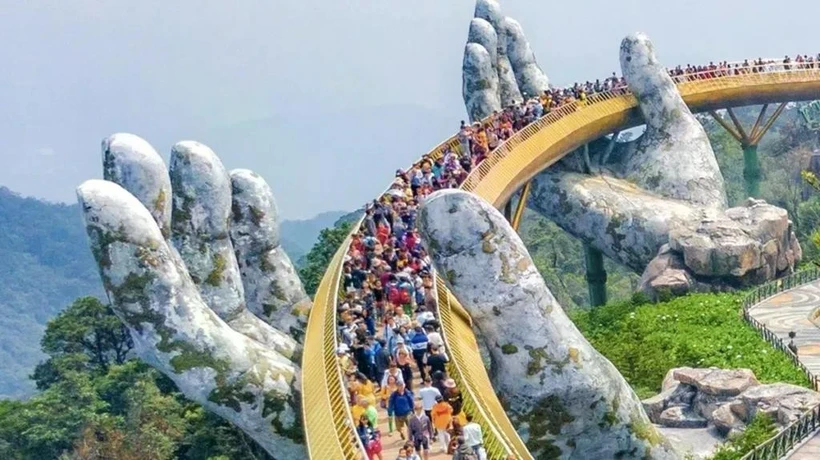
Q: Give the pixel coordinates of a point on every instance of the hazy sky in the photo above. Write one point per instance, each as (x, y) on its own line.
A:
(256, 79)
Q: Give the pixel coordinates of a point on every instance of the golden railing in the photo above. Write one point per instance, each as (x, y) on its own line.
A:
(329, 431)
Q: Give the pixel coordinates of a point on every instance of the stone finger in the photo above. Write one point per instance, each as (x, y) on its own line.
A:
(565, 396)
(174, 330)
(134, 164)
(273, 290)
(674, 157)
(201, 210)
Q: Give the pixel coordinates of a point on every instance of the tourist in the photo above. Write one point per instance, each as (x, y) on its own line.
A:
(473, 438)
(401, 405)
(386, 391)
(421, 431)
(437, 360)
(442, 416)
(428, 394)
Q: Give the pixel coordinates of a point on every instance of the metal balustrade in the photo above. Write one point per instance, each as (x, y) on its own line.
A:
(328, 427)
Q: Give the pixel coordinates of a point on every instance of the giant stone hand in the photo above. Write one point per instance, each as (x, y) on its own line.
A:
(565, 399)
(192, 265)
(657, 205)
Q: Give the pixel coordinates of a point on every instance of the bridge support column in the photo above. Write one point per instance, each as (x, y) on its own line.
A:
(519, 208)
(749, 143)
(596, 276)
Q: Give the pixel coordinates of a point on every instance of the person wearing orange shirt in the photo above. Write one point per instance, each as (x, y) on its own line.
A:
(442, 415)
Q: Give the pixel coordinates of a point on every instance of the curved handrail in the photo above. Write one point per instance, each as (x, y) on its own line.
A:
(514, 162)
(808, 422)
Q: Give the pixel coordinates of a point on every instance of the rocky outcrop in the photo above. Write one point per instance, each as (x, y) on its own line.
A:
(658, 205)
(506, 68)
(239, 368)
(726, 399)
(564, 396)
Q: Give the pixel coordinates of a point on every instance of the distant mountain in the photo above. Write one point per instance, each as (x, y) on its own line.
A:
(47, 264)
(298, 236)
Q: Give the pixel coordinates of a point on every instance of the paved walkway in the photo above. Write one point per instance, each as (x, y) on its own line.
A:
(789, 311)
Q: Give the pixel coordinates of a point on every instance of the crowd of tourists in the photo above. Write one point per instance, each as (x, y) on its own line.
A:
(388, 321)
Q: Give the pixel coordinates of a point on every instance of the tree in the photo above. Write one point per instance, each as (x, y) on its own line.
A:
(317, 260)
(86, 335)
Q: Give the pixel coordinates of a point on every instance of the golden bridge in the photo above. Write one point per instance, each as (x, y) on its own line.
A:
(329, 431)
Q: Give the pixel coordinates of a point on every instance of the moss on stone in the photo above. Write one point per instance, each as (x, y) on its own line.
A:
(645, 431)
(269, 308)
(574, 355)
(451, 277)
(506, 270)
(181, 214)
(275, 406)
(548, 417)
(509, 349)
(534, 366)
(256, 215)
(189, 357)
(215, 277)
(232, 395)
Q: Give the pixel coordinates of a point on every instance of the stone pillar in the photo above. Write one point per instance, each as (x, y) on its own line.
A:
(596, 276)
(751, 170)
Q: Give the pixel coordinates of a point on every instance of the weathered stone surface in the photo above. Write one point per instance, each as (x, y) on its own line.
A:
(273, 290)
(559, 391)
(234, 370)
(785, 402)
(480, 83)
(133, 163)
(512, 60)
(674, 157)
(667, 189)
(530, 78)
(726, 421)
(679, 417)
(200, 223)
(717, 382)
(727, 398)
(174, 331)
(708, 248)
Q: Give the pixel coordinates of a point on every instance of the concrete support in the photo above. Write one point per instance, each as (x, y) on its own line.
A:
(596, 276)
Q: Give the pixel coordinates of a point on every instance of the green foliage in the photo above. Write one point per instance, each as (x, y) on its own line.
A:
(96, 404)
(645, 340)
(316, 261)
(759, 431)
(84, 336)
(46, 265)
(560, 259)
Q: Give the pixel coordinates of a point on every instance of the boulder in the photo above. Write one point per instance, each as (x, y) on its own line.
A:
(725, 420)
(676, 396)
(785, 402)
(717, 382)
(680, 417)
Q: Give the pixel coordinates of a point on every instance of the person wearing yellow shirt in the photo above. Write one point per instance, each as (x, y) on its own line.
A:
(358, 409)
(366, 389)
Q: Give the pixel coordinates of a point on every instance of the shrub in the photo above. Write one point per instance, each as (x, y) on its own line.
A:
(645, 340)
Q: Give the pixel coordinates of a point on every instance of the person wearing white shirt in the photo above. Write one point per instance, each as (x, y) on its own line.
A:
(428, 394)
(473, 437)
